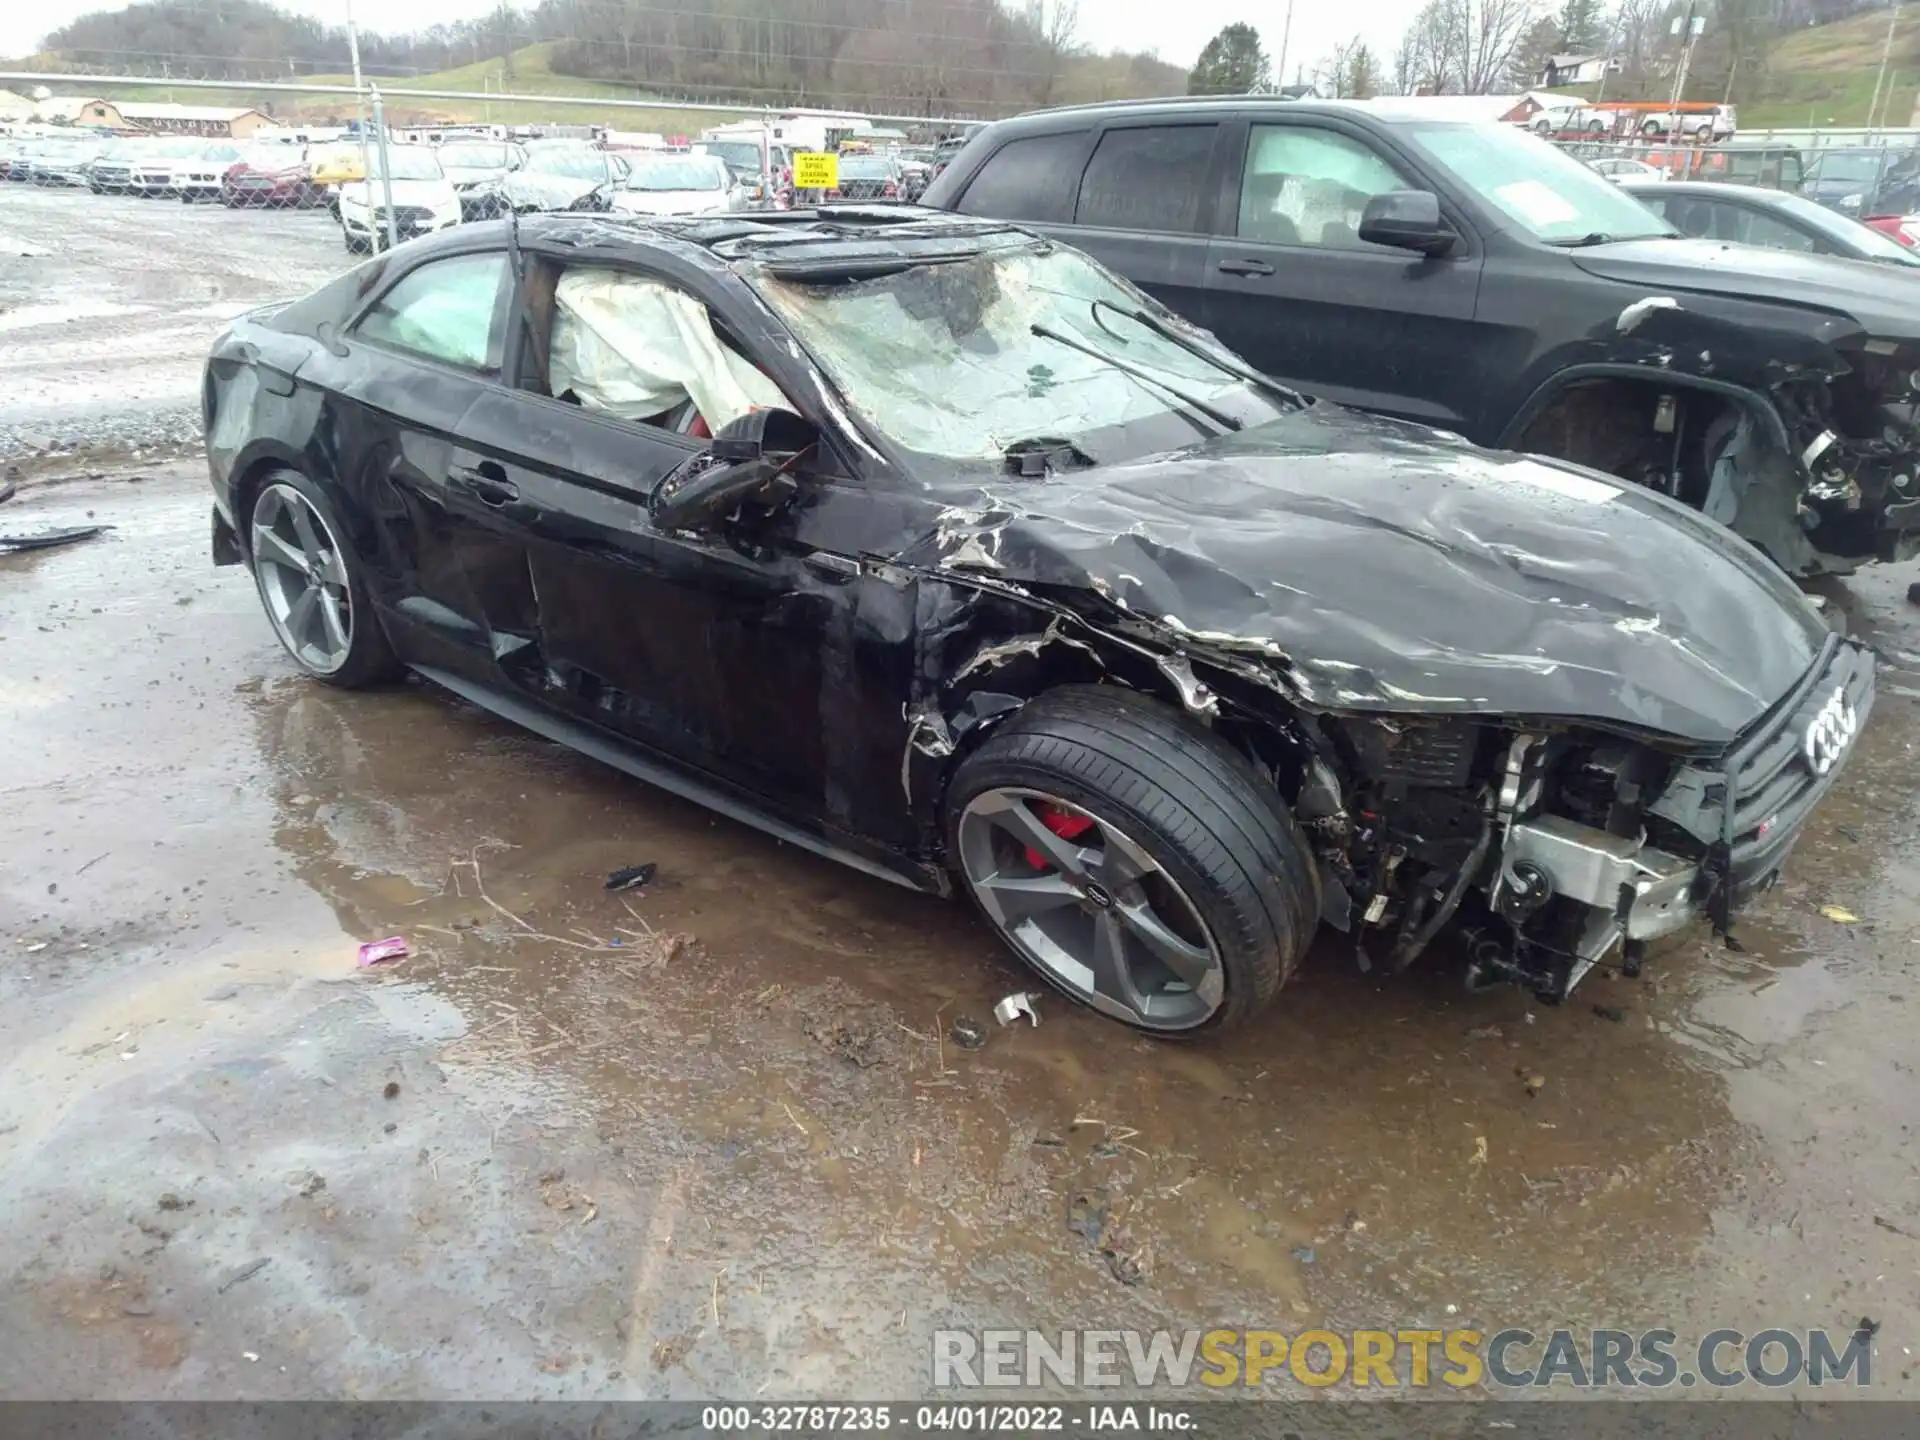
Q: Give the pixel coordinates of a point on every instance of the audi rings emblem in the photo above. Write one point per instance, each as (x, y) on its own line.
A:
(1830, 732)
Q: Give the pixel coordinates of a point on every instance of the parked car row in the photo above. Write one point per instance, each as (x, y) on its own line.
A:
(234, 172)
(1700, 122)
(1876, 184)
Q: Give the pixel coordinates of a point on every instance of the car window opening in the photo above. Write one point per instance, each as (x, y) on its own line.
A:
(640, 350)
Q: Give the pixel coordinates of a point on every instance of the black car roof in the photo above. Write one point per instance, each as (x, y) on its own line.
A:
(1387, 110)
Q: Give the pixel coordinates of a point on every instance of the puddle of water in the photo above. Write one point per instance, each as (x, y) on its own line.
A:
(29, 317)
(760, 1056)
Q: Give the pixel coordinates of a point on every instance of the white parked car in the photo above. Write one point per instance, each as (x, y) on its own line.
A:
(424, 199)
(1715, 124)
(1621, 169)
(1565, 119)
(157, 170)
(198, 176)
(676, 185)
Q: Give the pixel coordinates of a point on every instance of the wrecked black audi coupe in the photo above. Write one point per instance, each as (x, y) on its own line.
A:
(928, 544)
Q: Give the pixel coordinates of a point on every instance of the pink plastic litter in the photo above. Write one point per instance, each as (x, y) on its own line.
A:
(383, 952)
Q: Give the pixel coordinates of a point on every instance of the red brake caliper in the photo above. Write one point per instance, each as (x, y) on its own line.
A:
(1064, 823)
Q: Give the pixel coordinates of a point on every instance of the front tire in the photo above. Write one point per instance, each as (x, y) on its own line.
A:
(313, 585)
(1135, 860)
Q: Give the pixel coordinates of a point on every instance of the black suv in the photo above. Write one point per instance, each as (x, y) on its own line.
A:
(1474, 278)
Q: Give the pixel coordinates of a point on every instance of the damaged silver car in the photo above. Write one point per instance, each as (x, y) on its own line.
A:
(932, 546)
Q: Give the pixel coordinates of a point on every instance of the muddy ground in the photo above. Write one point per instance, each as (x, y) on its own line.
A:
(730, 1155)
(107, 305)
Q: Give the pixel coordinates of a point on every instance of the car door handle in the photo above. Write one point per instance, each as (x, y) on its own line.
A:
(487, 482)
(1245, 267)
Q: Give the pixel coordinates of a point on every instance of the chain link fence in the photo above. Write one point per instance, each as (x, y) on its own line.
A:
(460, 177)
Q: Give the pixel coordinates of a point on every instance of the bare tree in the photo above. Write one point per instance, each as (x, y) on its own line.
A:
(1057, 23)
(1493, 30)
(1638, 37)
(1347, 72)
(1329, 72)
(1429, 59)
(1462, 45)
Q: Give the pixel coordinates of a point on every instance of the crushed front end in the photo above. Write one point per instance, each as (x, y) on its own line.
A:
(1554, 848)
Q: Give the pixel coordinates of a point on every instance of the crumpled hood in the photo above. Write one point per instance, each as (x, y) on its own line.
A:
(528, 190)
(1883, 300)
(1381, 566)
(669, 202)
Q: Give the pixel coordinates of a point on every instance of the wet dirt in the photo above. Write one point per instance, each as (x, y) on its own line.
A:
(109, 302)
(710, 1136)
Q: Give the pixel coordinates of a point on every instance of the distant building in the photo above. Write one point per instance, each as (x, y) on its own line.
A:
(1576, 70)
(217, 122)
(81, 111)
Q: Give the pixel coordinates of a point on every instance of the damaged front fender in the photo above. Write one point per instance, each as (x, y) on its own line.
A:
(1792, 424)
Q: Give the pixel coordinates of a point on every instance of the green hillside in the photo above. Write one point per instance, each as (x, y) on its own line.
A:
(531, 75)
(1826, 75)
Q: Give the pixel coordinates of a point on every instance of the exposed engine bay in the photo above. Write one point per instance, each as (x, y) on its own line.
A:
(1821, 469)
(1557, 849)
(1564, 746)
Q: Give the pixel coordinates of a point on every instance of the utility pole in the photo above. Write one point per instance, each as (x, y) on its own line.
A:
(1687, 26)
(386, 170)
(360, 104)
(1286, 35)
(1606, 63)
(1886, 54)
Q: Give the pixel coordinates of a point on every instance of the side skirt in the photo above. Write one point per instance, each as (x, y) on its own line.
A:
(591, 742)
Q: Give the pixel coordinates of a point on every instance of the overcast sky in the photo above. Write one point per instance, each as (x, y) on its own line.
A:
(1175, 28)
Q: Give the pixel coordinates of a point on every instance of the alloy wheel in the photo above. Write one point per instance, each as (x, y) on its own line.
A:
(1090, 909)
(302, 578)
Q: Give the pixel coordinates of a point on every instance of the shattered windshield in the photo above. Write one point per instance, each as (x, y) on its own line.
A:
(964, 359)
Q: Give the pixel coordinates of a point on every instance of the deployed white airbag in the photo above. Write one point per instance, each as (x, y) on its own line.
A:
(635, 348)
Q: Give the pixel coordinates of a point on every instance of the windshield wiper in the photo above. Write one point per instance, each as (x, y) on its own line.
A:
(1200, 352)
(1146, 377)
(1597, 237)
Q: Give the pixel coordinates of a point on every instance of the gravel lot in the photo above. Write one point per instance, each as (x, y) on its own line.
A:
(738, 1162)
(107, 305)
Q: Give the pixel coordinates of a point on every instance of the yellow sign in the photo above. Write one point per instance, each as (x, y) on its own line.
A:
(815, 171)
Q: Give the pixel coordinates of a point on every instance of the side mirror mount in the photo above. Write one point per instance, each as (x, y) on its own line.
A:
(749, 461)
(1406, 220)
